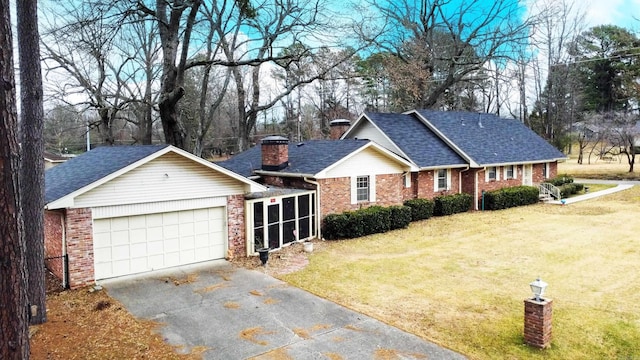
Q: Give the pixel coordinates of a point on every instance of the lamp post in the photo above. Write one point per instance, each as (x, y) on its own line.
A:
(537, 316)
(537, 288)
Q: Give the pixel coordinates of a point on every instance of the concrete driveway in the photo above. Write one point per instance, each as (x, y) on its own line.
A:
(239, 314)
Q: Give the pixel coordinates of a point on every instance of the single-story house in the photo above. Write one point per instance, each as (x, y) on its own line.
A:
(338, 176)
(467, 152)
(385, 159)
(120, 210)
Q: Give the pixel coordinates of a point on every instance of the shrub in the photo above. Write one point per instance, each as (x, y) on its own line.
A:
(371, 220)
(569, 189)
(560, 180)
(510, 197)
(421, 209)
(452, 204)
(400, 217)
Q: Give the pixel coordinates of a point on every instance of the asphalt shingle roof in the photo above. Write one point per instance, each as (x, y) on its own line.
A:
(416, 140)
(92, 166)
(489, 139)
(307, 157)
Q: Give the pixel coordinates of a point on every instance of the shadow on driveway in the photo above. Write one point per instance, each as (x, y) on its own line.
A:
(238, 314)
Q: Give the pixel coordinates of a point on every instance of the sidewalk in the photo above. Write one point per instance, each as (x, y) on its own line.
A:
(595, 194)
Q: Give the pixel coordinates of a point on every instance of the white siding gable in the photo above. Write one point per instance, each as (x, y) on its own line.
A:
(366, 162)
(365, 130)
(168, 177)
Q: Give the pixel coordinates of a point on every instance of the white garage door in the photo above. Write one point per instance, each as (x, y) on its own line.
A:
(135, 244)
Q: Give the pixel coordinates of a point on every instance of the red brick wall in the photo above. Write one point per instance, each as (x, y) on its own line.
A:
(335, 194)
(425, 184)
(79, 234)
(235, 225)
(53, 233)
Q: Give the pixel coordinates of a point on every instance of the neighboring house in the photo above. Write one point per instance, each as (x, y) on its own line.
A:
(338, 176)
(51, 160)
(123, 210)
(467, 152)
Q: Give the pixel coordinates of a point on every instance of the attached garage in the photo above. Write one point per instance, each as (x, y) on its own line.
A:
(134, 244)
(133, 209)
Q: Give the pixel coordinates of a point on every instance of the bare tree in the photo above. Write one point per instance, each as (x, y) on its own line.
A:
(83, 50)
(32, 165)
(13, 282)
(457, 38)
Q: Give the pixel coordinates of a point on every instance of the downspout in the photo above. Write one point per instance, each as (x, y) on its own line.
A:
(318, 217)
(65, 258)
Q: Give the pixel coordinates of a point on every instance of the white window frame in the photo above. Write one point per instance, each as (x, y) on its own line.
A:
(514, 174)
(488, 171)
(354, 189)
(407, 179)
(436, 180)
(545, 170)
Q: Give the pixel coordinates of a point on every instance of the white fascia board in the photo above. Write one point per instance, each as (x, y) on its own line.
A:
(529, 162)
(251, 185)
(387, 153)
(444, 167)
(450, 143)
(68, 200)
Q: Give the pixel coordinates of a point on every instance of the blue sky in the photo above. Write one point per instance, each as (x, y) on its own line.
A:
(617, 12)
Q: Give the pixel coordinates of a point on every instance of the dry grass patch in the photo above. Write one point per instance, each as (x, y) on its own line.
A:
(461, 280)
(598, 169)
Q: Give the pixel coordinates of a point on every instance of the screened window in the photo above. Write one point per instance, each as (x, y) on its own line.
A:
(362, 188)
(442, 179)
(545, 171)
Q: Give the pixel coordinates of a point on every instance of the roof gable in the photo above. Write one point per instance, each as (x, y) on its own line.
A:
(416, 141)
(488, 139)
(309, 158)
(98, 166)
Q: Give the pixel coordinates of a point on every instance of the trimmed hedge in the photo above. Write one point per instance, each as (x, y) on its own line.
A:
(569, 189)
(367, 221)
(510, 197)
(421, 209)
(560, 180)
(452, 204)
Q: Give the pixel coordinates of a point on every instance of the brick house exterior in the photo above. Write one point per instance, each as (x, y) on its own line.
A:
(73, 211)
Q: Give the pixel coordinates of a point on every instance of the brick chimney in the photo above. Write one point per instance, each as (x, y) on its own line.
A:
(338, 127)
(275, 153)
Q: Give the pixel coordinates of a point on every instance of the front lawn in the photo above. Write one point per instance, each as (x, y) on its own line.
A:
(460, 280)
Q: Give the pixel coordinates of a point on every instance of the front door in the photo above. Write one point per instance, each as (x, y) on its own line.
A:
(527, 176)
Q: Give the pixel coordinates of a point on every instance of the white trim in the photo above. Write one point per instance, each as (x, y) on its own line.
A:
(436, 181)
(409, 165)
(486, 174)
(372, 188)
(68, 200)
(104, 212)
(514, 172)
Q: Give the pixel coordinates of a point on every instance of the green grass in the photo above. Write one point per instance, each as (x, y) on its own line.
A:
(460, 280)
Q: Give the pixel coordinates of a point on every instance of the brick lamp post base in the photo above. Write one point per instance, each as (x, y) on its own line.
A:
(537, 322)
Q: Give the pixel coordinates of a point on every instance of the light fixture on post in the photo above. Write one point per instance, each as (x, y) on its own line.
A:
(538, 287)
(538, 316)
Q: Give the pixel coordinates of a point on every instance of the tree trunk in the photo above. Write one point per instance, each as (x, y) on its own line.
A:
(14, 335)
(32, 167)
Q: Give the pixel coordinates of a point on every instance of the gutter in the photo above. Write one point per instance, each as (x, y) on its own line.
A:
(318, 217)
(460, 180)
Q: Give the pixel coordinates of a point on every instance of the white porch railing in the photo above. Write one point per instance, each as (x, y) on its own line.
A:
(548, 190)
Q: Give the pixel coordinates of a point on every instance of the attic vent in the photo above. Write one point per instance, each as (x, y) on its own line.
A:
(299, 144)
